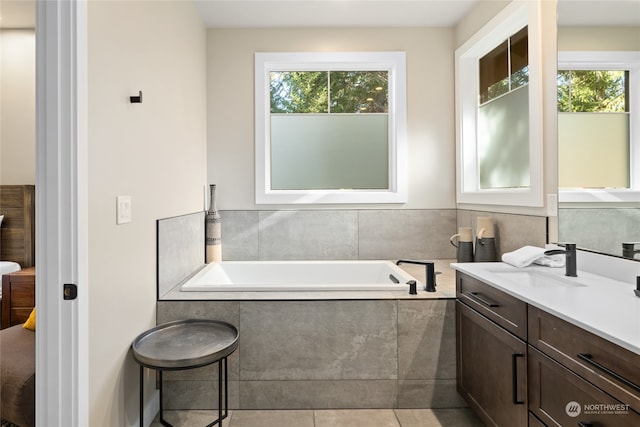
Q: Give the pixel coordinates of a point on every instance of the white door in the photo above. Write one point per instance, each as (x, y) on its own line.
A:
(61, 214)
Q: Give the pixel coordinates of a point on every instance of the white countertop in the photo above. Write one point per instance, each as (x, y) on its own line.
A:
(606, 307)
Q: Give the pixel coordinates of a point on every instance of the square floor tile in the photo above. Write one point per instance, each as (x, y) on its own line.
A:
(190, 418)
(272, 418)
(356, 418)
(459, 417)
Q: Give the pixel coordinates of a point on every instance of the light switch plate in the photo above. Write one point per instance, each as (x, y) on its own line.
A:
(123, 209)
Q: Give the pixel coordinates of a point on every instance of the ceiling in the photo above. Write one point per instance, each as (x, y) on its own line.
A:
(355, 13)
(332, 13)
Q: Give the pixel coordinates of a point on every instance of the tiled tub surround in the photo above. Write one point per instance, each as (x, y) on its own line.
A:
(341, 349)
(337, 234)
(365, 234)
(325, 354)
(316, 350)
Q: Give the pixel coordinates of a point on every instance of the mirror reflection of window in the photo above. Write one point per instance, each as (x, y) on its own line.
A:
(321, 124)
(503, 115)
(593, 129)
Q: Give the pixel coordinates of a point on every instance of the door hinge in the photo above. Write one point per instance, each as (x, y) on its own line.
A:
(70, 291)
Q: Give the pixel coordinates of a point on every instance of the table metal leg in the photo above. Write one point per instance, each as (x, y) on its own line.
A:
(226, 388)
(162, 420)
(222, 385)
(220, 391)
(141, 396)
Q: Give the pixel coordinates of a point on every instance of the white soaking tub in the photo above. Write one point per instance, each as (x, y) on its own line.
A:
(274, 276)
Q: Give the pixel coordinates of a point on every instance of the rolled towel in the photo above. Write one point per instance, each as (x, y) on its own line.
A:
(528, 255)
(524, 256)
(551, 260)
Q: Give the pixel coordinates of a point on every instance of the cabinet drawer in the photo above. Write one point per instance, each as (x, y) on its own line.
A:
(608, 366)
(559, 397)
(502, 308)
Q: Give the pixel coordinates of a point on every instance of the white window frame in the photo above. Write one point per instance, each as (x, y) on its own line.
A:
(610, 60)
(394, 63)
(510, 20)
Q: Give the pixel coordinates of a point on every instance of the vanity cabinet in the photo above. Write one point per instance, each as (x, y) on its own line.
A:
(569, 364)
(491, 358)
(557, 396)
(518, 365)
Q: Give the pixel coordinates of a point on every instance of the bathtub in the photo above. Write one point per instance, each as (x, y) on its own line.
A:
(258, 276)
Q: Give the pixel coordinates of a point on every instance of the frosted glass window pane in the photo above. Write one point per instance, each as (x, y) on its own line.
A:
(329, 152)
(503, 141)
(593, 150)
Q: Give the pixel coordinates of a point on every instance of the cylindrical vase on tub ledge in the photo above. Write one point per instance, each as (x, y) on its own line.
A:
(464, 244)
(485, 240)
(212, 230)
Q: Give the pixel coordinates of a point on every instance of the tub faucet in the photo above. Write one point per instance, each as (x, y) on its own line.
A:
(430, 285)
(569, 252)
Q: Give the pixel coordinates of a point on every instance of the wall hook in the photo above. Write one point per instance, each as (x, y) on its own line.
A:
(136, 99)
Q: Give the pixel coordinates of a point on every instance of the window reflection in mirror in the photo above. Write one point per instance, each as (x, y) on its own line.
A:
(593, 129)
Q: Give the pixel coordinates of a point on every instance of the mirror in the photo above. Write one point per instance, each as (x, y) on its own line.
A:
(602, 217)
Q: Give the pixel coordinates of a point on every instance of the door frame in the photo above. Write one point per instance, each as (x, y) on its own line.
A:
(62, 380)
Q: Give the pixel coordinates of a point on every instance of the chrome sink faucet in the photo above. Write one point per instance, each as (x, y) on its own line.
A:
(569, 252)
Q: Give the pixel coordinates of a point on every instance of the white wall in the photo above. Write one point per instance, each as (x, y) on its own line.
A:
(599, 38)
(17, 106)
(154, 152)
(477, 17)
(431, 141)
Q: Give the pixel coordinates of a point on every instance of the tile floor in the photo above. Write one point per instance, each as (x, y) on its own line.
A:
(460, 417)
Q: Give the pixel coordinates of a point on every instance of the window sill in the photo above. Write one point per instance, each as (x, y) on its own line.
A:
(599, 196)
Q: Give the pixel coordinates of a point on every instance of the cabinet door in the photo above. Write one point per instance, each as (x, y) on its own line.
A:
(606, 365)
(559, 397)
(491, 369)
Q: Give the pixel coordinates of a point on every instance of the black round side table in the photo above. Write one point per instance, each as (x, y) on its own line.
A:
(186, 344)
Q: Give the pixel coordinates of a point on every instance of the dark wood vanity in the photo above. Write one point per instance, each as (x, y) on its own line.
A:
(518, 365)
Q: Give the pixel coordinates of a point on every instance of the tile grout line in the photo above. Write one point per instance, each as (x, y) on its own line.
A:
(395, 414)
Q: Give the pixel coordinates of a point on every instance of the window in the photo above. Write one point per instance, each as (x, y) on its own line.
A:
(503, 115)
(498, 94)
(505, 68)
(331, 127)
(321, 124)
(598, 149)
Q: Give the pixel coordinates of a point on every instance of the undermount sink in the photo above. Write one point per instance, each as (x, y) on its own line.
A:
(537, 279)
